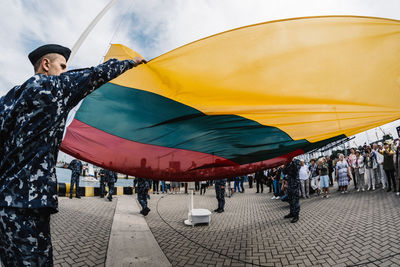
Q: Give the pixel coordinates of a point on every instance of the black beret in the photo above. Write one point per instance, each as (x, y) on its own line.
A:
(39, 52)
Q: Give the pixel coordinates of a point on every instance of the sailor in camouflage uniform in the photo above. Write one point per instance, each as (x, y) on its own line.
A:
(142, 188)
(292, 175)
(32, 121)
(102, 183)
(220, 194)
(76, 167)
(111, 178)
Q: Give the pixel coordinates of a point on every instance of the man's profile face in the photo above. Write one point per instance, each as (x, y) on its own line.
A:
(57, 65)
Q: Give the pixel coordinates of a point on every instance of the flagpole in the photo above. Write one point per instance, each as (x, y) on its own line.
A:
(89, 28)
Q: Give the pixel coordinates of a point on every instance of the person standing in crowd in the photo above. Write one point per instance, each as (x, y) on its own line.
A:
(102, 188)
(32, 121)
(397, 165)
(359, 171)
(323, 171)
(343, 174)
(369, 168)
(220, 194)
(111, 178)
(388, 166)
(163, 187)
(378, 151)
(241, 181)
(156, 185)
(237, 184)
(304, 176)
(250, 178)
(197, 186)
(142, 189)
(259, 181)
(351, 160)
(330, 168)
(292, 177)
(276, 182)
(314, 180)
(76, 167)
(203, 187)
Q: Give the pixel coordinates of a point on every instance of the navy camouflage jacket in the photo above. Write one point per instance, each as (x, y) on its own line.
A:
(32, 121)
(75, 166)
(110, 176)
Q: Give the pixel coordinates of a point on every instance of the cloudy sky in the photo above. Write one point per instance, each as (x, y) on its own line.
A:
(150, 27)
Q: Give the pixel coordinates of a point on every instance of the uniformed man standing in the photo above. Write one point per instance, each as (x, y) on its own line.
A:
(102, 183)
(76, 167)
(111, 178)
(142, 189)
(32, 122)
(292, 176)
(220, 194)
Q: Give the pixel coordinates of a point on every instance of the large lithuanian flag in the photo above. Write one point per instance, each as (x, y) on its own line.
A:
(242, 100)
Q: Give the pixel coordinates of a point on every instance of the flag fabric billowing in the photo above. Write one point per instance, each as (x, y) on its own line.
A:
(242, 100)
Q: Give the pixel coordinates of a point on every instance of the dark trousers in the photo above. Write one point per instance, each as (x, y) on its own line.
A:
(353, 173)
(196, 186)
(241, 186)
(330, 178)
(203, 187)
(142, 198)
(221, 203)
(111, 190)
(294, 202)
(237, 185)
(102, 188)
(74, 181)
(25, 237)
(260, 184)
(250, 182)
(391, 179)
(156, 186)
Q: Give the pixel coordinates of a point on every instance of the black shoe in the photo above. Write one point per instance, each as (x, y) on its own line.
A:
(257, 192)
(146, 211)
(220, 211)
(216, 210)
(101, 196)
(288, 216)
(295, 219)
(70, 197)
(141, 212)
(78, 197)
(110, 199)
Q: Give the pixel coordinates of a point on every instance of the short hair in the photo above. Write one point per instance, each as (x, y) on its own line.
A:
(50, 56)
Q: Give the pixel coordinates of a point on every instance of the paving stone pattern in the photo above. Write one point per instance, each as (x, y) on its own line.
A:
(340, 231)
(81, 230)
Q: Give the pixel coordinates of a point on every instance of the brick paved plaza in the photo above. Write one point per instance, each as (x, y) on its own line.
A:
(81, 230)
(340, 231)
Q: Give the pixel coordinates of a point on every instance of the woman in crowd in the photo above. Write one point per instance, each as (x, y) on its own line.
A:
(343, 174)
(359, 171)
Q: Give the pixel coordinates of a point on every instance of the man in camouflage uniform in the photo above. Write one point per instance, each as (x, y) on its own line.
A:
(32, 122)
(111, 178)
(292, 175)
(220, 194)
(76, 167)
(102, 183)
(142, 188)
